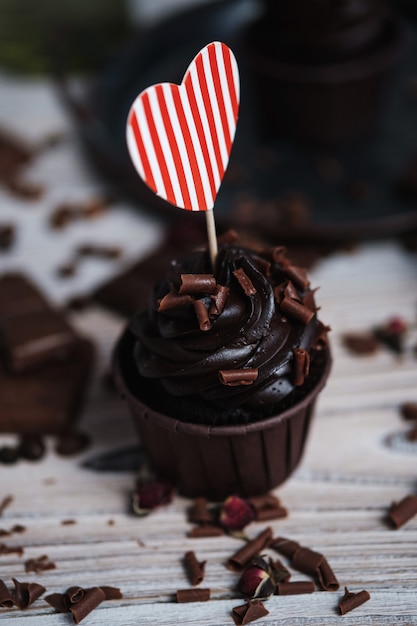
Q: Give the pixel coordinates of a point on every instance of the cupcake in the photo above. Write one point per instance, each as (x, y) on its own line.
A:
(320, 66)
(222, 371)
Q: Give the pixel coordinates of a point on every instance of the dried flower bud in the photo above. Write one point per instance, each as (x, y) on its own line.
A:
(236, 513)
(396, 325)
(257, 580)
(150, 495)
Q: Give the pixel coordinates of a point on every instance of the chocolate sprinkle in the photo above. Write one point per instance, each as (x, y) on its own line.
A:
(246, 613)
(403, 511)
(351, 600)
(25, 593)
(202, 315)
(194, 568)
(234, 378)
(295, 588)
(193, 595)
(242, 557)
(245, 282)
(301, 365)
(6, 600)
(197, 283)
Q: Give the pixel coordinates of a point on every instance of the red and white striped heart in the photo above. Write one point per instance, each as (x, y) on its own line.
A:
(180, 136)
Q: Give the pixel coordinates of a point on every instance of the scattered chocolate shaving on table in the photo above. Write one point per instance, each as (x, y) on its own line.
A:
(39, 564)
(26, 593)
(412, 434)
(197, 283)
(7, 236)
(68, 522)
(10, 549)
(6, 502)
(72, 442)
(6, 599)
(111, 593)
(24, 189)
(281, 573)
(408, 410)
(193, 595)
(245, 282)
(194, 568)
(307, 561)
(401, 512)
(301, 365)
(296, 309)
(67, 270)
(99, 251)
(266, 501)
(18, 528)
(91, 599)
(242, 557)
(75, 593)
(249, 612)
(66, 213)
(198, 513)
(295, 588)
(238, 377)
(58, 601)
(202, 315)
(270, 513)
(205, 531)
(360, 343)
(31, 447)
(351, 600)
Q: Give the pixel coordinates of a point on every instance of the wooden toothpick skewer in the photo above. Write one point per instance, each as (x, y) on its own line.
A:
(212, 237)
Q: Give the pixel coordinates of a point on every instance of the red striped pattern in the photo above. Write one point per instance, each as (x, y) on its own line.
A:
(180, 136)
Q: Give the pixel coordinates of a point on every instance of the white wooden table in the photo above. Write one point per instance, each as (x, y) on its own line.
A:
(337, 499)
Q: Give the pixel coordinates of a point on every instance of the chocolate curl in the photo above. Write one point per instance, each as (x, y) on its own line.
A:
(263, 266)
(91, 599)
(321, 341)
(245, 282)
(6, 600)
(408, 410)
(295, 588)
(280, 572)
(193, 595)
(205, 531)
(59, 602)
(194, 568)
(403, 511)
(75, 594)
(197, 283)
(291, 292)
(111, 593)
(218, 300)
(11, 549)
(277, 255)
(269, 513)
(202, 315)
(7, 500)
(26, 593)
(246, 613)
(41, 564)
(301, 365)
(199, 513)
(235, 378)
(298, 275)
(308, 300)
(264, 502)
(242, 557)
(351, 601)
(286, 547)
(296, 309)
(173, 301)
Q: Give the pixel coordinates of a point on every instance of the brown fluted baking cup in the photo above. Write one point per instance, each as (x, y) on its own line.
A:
(215, 461)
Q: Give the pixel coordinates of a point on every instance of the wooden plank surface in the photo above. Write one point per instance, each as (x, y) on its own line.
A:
(356, 463)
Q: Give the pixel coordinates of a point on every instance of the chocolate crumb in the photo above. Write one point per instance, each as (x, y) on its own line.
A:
(67, 270)
(25, 189)
(291, 307)
(111, 593)
(58, 601)
(269, 513)
(403, 511)
(301, 365)
(18, 528)
(197, 283)
(249, 612)
(202, 315)
(351, 600)
(193, 595)
(194, 568)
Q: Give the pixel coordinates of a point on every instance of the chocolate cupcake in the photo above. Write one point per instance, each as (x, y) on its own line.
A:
(222, 371)
(320, 67)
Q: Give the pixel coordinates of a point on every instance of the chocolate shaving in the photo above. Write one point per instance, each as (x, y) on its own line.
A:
(40, 564)
(291, 292)
(218, 300)
(58, 601)
(173, 301)
(24, 189)
(7, 500)
(277, 255)
(11, 550)
(99, 251)
(6, 599)
(7, 236)
(111, 593)
(351, 600)
(90, 600)
(198, 512)
(360, 343)
(193, 595)
(194, 568)
(267, 501)
(242, 557)
(301, 365)
(270, 513)
(298, 275)
(246, 613)
(403, 511)
(197, 283)
(321, 341)
(18, 528)
(296, 309)
(412, 435)
(202, 315)
(307, 561)
(235, 378)
(245, 282)
(205, 531)
(308, 300)
(295, 588)
(280, 572)
(25, 593)
(68, 522)
(409, 410)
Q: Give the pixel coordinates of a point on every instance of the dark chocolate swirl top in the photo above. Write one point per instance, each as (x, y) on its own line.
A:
(243, 337)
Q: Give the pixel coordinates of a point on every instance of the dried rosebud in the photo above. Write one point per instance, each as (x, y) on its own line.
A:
(396, 325)
(257, 580)
(236, 513)
(150, 495)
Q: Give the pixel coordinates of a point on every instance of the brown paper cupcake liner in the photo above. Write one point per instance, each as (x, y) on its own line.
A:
(216, 461)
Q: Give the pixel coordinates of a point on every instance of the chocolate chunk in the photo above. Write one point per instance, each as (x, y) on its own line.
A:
(193, 595)
(301, 365)
(295, 588)
(68, 522)
(6, 600)
(234, 378)
(31, 447)
(403, 511)
(205, 531)
(40, 564)
(197, 283)
(7, 236)
(351, 601)
(71, 443)
(360, 343)
(26, 593)
(91, 599)
(242, 557)
(49, 399)
(249, 612)
(202, 315)
(245, 282)
(194, 568)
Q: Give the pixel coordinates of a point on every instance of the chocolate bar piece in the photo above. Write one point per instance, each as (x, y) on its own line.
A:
(32, 332)
(47, 400)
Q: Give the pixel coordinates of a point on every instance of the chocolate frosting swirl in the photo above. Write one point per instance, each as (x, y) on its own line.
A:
(250, 332)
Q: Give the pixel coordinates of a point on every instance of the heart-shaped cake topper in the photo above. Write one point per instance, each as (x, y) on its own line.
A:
(180, 136)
